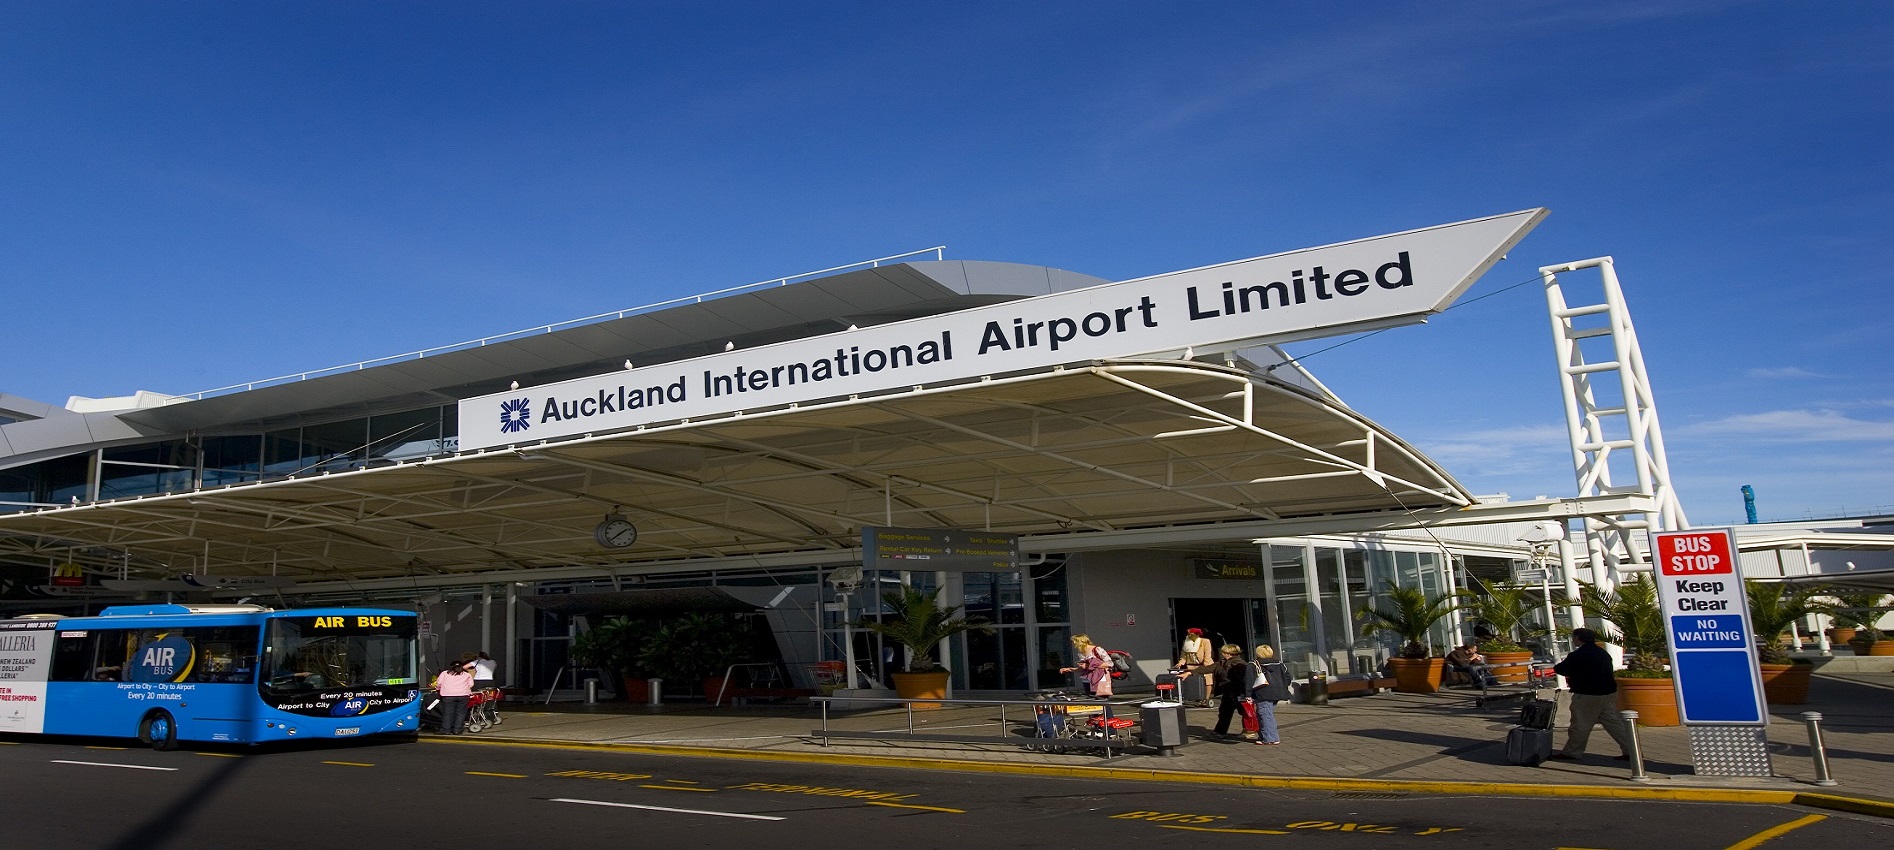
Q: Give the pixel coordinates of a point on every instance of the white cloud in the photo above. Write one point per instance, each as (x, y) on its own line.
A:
(1799, 426)
(1782, 373)
(1503, 458)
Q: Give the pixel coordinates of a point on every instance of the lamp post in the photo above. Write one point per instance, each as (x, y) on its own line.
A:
(845, 580)
(1543, 537)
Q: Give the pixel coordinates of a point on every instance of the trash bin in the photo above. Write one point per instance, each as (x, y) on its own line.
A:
(1163, 726)
(654, 690)
(1316, 691)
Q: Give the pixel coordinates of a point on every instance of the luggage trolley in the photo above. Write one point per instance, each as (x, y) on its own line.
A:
(483, 709)
(1067, 721)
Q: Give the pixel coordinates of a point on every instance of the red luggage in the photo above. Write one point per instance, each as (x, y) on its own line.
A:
(1250, 724)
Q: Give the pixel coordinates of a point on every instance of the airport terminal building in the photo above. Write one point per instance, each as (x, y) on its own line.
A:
(727, 454)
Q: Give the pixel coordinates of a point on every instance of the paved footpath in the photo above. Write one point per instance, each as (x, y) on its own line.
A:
(1435, 742)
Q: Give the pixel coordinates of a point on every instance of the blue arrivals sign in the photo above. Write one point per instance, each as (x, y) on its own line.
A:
(1713, 656)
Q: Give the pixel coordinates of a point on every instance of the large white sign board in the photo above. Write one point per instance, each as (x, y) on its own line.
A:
(1400, 278)
(1713, 657)
(26, 653)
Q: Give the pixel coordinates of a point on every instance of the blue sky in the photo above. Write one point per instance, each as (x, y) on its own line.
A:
(200, 194)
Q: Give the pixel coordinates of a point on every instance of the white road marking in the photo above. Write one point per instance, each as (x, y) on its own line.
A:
(664, 809)
(109, 764)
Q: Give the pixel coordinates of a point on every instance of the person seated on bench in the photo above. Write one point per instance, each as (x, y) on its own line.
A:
(1467, 661)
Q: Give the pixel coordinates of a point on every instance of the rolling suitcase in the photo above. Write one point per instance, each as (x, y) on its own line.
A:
(1528, 747)
(1537, 713)
(1191, 691)
(1167, 687)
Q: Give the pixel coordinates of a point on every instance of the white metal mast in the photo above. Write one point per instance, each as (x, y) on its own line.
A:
(1604, 418)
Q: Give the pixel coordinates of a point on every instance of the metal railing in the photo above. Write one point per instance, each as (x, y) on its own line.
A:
(1075, 706)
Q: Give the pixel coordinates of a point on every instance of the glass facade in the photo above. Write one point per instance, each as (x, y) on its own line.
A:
(1024, 650)
(178, 466)
(1320, 633)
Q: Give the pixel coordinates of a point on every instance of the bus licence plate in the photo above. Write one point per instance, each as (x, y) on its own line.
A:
(348, 730)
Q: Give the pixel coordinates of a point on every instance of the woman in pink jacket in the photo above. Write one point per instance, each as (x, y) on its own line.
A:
(455, 686)
(1094, 665)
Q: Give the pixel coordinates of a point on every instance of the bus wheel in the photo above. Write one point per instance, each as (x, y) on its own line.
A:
(159, 730)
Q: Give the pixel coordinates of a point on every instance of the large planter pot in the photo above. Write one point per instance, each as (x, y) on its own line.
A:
(1786, 684)
(637, 691)
(1881, 647)
(1655, 700)
(921, 686)
(1840, 635)
(1417, 675)
(1510, 668)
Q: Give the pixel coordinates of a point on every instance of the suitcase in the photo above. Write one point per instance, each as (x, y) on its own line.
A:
(1528, 747)
(1166, 687)
(1537, 713)
(1191, 691)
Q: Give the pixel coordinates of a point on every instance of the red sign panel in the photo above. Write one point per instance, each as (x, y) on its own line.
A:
(1687, 554)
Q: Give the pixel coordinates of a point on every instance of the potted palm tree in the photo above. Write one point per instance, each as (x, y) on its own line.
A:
(916, 621)
(1509, 609)
(1773, 608)
(1637, 621)
(1856, 617)
(1408, 614)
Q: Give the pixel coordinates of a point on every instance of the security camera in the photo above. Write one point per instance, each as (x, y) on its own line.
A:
(846, 579)
(1543, 532)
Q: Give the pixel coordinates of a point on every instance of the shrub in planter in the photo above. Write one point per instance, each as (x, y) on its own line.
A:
(1408, 614)
(915, 620)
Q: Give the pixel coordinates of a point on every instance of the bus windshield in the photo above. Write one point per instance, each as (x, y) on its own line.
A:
(327, 652)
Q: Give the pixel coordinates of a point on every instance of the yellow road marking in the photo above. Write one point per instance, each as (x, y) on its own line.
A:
(1776, 831)
(922, 808)
(502, 775)
(349, 763)
(222, 755)
(1224, 829)
(676, 788)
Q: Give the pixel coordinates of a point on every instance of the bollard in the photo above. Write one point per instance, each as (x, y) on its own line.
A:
(1316, 692)
(655, 687)
(1637, 752)
(1814, 721)
(591, 692)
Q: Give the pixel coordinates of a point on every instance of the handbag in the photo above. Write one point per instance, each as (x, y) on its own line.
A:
(1250, 724)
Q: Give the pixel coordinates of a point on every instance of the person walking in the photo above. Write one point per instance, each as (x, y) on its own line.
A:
(1094, 666)
(1233, 684)
(1269, 684)
(1594, 697)
(455, 686)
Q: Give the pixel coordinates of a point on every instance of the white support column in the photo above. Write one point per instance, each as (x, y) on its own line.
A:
(1605, 417)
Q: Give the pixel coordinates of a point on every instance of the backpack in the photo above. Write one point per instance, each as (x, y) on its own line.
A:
(1120, 663)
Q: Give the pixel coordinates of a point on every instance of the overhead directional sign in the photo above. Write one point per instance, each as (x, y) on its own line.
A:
(939, 549)
(1713, 657)
(1400, 278)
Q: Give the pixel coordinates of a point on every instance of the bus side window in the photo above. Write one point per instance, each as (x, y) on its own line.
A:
(72, 657)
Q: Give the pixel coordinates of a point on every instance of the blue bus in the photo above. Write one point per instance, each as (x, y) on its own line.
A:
(224, 673)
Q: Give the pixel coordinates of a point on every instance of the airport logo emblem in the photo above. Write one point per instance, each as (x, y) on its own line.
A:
(515, 415)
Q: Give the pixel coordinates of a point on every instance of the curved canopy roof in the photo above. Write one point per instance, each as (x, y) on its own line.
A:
(1065, 452)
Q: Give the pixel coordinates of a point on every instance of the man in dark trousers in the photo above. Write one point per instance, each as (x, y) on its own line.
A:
(1594, 696)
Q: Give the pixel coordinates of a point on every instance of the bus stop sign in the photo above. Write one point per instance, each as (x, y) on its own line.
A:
(1712, 655)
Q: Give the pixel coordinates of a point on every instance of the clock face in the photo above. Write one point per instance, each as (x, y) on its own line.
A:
(616, 533)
